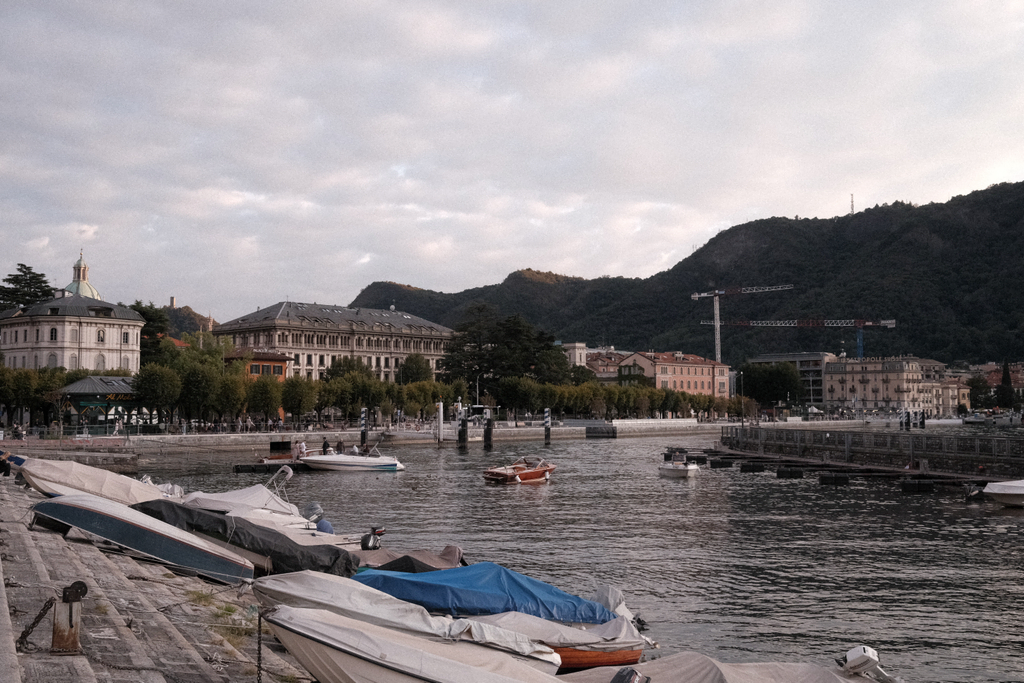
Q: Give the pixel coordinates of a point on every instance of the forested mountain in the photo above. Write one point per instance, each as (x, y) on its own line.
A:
(950, 274)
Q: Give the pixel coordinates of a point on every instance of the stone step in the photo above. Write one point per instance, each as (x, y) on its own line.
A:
(140, 622)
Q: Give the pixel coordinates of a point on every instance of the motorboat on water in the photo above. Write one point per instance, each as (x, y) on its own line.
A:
(526, 470)
(129, 528)
(1009, 493)
(677, 466)
(357, 461)
(585, 633)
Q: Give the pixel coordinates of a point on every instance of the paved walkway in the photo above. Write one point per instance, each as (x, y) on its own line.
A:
(139, 621)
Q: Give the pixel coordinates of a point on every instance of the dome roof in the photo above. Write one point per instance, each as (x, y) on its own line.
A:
(80, 285)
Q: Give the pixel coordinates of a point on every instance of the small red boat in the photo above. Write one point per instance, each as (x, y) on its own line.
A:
(528, 470)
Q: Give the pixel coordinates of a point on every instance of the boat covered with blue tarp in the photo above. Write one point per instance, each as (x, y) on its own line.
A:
(485, 588)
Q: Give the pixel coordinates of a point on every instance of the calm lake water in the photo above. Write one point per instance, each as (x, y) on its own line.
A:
(740, 567)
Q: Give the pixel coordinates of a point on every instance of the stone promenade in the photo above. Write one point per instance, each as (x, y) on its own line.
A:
(139, 621)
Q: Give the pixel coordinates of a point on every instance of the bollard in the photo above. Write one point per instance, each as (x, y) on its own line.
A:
(489, 434)
(67, 617)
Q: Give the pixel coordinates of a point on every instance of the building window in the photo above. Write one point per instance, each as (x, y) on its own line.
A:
(278, 370)
(51, 360)
(53, 334)
(74, 334)
(101, 336)
(124, 338)
(37, 334)
(73, 362)
(254, 369)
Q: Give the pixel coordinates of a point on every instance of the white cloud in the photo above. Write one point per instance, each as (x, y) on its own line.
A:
(303, 150)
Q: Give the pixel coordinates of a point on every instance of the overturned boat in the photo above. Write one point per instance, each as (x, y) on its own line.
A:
(66, 477)
(141, 533)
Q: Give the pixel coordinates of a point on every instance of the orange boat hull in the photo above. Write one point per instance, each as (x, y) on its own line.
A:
(573, 659)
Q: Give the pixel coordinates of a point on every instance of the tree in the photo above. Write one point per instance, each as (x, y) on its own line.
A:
(981, 392)
(24, 288)
(157, 323)
(265, 396)
(298, 396)
(1004, 392)
(232, 390)
(200, 383)
(484, 350)
(772, 383)
(416, 368)
(157, 388)
(343, 365)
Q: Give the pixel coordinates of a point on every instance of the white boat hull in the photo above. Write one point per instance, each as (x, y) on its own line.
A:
(678, 471)
(1009, 493)
(341, 462)
(132, 529)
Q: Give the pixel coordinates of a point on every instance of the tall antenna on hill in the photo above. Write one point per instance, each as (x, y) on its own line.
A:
(851, 204)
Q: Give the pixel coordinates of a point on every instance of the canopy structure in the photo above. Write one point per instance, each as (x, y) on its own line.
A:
(485, 588)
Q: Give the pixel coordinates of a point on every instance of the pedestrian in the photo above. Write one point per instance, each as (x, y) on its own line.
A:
(326, 447)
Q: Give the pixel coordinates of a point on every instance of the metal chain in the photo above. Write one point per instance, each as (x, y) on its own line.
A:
(22, 643)
(259, 647)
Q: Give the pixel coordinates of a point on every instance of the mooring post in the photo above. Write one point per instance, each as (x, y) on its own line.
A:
(463, 439)
(489, 434)
(67, 617)
(547, 426)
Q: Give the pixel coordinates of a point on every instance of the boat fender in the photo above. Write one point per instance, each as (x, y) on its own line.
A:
(518, 480)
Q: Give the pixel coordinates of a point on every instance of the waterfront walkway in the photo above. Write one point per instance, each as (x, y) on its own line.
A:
(139, 621)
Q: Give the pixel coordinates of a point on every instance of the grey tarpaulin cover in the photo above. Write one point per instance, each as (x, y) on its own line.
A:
(286, 554)
(356, 601)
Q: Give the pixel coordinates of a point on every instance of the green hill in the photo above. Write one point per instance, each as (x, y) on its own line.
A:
(947, 273)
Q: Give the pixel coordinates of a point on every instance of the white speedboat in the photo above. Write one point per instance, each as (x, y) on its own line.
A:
(677, 466)
(1009, 493)
(368, 461)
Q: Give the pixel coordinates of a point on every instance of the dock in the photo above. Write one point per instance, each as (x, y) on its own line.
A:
(139, 621)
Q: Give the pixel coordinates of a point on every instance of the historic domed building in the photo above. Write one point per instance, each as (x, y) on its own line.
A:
(75, 329)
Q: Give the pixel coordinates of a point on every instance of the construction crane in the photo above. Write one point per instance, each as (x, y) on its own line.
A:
(732, 290)
(859, 324)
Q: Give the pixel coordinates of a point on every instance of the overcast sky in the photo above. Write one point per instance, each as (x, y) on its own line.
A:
(236, 154)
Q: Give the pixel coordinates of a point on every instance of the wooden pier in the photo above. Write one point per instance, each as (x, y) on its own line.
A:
(964, 457)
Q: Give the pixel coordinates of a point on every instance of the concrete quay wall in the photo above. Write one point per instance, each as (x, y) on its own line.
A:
(988, 458)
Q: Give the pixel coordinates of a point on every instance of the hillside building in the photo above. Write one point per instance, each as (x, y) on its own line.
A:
(676, 371)
(315, 335)
(74, 330)
(893, 384)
